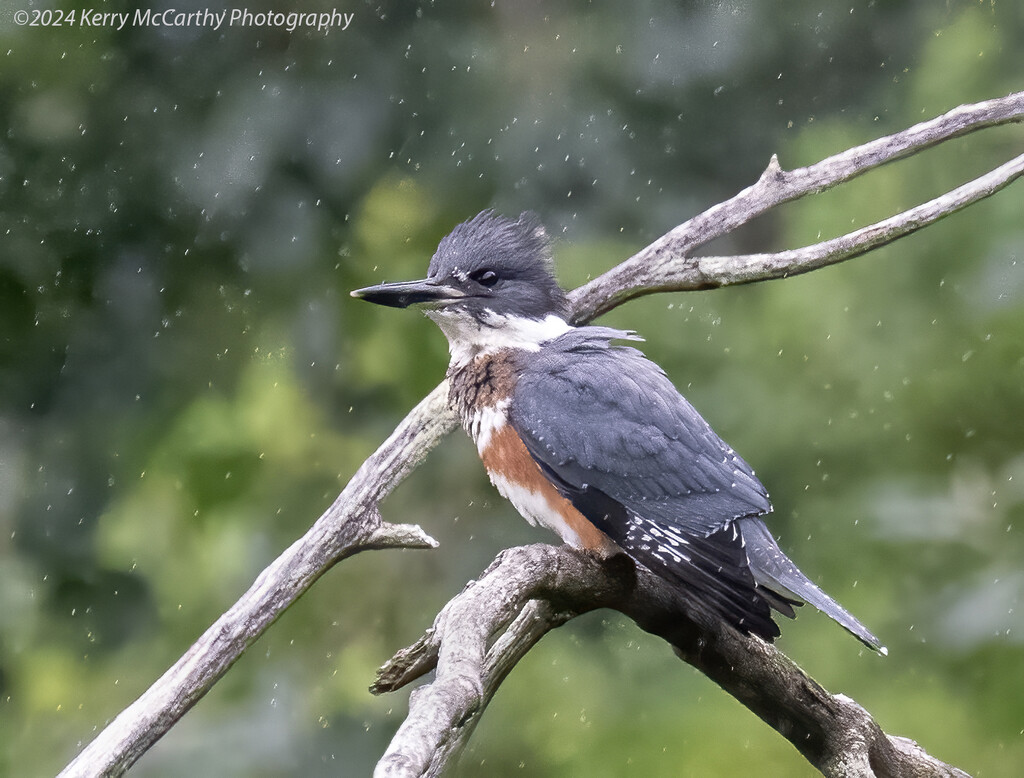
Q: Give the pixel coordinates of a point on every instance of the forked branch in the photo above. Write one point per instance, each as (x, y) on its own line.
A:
(530, 590)
(352, 524)
(667, 265)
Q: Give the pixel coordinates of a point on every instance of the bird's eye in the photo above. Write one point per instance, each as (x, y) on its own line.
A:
(484, 277)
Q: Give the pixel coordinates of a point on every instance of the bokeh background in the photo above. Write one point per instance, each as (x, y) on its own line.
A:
(185, 384)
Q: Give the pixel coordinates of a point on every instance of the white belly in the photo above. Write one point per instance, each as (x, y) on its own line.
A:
(536, 509)
(539, 507)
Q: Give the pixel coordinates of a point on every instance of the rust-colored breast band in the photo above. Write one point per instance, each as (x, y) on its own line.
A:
(507, 456)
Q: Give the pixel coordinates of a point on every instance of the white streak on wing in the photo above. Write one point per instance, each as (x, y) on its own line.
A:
(485, 422)
(661, 540)
(535, 509)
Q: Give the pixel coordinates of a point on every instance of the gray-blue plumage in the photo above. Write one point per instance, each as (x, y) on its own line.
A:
(604, 425)
(610, 429)
(621, 427)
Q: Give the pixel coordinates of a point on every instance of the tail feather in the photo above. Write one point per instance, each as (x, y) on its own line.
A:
(739, 572)
(777, 574)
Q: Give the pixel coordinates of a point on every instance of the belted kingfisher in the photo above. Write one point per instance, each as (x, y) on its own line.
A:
(592, 440)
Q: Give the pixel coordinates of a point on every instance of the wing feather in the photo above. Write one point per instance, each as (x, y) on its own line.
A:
(605, 416)
(615, 437)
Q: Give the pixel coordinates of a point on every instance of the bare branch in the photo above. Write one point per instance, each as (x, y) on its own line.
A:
(705, 272)
(670, 254)
(352, 524)
(546, 586)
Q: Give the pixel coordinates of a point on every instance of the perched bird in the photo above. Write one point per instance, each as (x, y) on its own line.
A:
(592, 440)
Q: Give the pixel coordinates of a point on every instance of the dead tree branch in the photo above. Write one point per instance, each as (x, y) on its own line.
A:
(667, 265)
(528, 591)
(352, 523)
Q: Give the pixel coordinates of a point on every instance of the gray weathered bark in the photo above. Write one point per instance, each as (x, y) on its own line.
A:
(480, 635)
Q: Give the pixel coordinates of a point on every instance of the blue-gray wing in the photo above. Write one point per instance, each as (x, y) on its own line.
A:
(633, 456)
(615, 437)
(602, 417)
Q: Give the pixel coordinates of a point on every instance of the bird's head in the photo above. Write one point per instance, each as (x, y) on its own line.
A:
(490, 275)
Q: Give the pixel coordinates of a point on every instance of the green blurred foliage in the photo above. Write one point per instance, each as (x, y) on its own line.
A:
(185, 384)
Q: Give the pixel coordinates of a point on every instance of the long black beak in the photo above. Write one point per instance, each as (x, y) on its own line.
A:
(402, 294)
